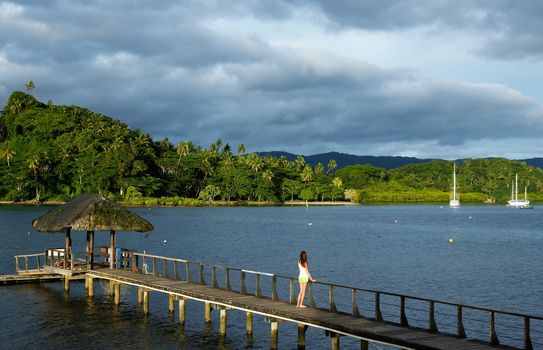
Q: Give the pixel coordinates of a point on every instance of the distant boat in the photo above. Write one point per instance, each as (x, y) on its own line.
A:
(514, 202)
(454, 202)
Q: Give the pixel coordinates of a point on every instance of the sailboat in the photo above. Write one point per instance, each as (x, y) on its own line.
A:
(514, 202)
(454, 202)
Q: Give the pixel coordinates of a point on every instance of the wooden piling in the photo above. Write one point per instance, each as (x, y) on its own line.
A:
(301, 335)
(364, 344)
(222, 323)
(335, 341)
(90, 289)
(249, 323)
(171, 303)
(181, 303)
(207, 312)
(140, 295)
(274, 341)
(67, 283)
(111, 287)
(117, 293)
(146, 301)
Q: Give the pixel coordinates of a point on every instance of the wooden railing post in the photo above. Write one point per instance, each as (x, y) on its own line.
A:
(378, 314)
(527, 338)
(26, 263)
(165, 268)
(493, 337)
(134, 263)
(275, 296)
(214, 283)
(258, 292)
(311, 299)
(154, 266)
(227, 278)
(187, 271)
(17, 265)
(331, 299)
(38, 263)
(460, 331)
(202, 277)
(355, 312)
(175, 271)
(242, 288)
(292, 298)
(403, 316)
(432, 326)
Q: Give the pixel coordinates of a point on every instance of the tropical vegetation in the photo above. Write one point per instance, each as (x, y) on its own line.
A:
(55, 152)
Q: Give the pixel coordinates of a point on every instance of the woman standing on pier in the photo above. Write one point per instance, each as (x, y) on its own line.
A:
(303, 277)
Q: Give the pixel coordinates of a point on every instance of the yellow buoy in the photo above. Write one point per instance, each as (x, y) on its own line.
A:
(451, 240)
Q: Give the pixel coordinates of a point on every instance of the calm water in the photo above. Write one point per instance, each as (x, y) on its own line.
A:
(495, 261)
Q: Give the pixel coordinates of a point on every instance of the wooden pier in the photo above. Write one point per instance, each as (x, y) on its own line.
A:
(227, 289)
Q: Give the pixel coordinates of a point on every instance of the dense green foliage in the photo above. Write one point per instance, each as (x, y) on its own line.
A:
(57, 152)
(478, 180)
(50, 152)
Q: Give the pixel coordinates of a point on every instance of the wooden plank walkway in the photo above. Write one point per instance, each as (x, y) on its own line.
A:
(33, 278)
(339, 323)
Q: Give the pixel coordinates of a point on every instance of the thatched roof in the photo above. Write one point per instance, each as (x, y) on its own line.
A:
(91, 212)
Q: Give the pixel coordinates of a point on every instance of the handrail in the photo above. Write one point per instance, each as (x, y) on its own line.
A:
(401, 319)
(399, 295)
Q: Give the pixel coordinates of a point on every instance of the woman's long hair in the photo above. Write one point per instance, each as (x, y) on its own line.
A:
(303, 258)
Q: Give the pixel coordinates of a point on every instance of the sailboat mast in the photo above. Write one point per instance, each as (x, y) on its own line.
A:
(516, 187)
(454, 181)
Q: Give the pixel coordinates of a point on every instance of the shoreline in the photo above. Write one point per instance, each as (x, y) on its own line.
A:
(260, 204)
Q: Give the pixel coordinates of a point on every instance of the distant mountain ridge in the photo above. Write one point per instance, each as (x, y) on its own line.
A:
(387, 162)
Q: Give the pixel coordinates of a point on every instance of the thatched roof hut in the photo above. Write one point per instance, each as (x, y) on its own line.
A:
(91, 212)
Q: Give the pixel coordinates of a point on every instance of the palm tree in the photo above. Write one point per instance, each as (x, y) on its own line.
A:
(337, 182)
(332, 164)
(241, 149)
(307, 174)
(30, 86)
(267, 175)
(7, 154)
(183, 148)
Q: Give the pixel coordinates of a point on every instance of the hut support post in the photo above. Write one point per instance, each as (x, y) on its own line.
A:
(112, 243)
(181, 303)
(364, 344)
(90, 252)
(68, 247)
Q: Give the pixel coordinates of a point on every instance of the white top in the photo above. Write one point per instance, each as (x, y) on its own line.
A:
(303, 271)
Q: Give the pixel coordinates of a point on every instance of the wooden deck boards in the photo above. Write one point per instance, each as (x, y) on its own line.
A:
(29, 278)
(334, 322)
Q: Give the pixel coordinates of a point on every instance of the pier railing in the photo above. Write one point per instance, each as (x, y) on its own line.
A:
(30, 263)
(79, 261)
(494, 326)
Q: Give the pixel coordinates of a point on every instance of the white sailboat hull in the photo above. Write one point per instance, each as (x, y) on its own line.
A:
(454, 203)
(518, 203)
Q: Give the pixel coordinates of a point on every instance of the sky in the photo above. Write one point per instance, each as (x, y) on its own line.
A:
(425, 78)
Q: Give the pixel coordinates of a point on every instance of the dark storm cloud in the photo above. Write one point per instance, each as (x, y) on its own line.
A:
(507, 29)
(166, 69)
